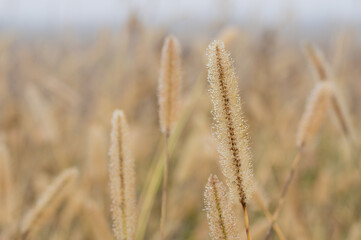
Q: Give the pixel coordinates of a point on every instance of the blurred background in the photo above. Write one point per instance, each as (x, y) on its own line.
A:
(66, 65)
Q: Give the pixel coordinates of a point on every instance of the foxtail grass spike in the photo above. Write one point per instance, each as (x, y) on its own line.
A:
(314, 113)
(342, 116)
(219, 211)
(168, 97)
(317, 61)
(169, 84)
(122, 180)
(312, 118)
(231, 129)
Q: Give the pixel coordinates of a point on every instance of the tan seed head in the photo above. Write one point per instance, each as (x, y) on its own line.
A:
(230, 127)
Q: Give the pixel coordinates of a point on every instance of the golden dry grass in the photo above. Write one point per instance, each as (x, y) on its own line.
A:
(57, 99)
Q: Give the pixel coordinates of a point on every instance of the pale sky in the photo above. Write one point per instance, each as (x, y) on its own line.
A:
(104, 12)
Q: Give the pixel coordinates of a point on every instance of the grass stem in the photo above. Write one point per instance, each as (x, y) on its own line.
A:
(284, 192)
(165, 183)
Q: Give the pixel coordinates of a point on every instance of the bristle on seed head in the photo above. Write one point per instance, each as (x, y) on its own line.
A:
(122, 180)
(231, 129)
(221, 221)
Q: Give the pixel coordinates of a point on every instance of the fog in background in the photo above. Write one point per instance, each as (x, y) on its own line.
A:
(306, 14)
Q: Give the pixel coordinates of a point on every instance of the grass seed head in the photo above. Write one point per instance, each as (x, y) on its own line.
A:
(230, 127)
(314, 113)
(122, 179)
(219, 211)
(169, 84)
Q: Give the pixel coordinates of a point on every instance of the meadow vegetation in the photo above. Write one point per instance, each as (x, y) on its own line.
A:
(66, 99)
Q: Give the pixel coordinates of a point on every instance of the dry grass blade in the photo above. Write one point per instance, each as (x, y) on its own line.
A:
(97, 222)
(122, 180)
(42, 114)
(6, 187)
(48, 202)
(95, 172)
(259, 199)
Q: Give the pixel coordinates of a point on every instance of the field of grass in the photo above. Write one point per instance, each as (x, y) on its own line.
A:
(58, 93)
